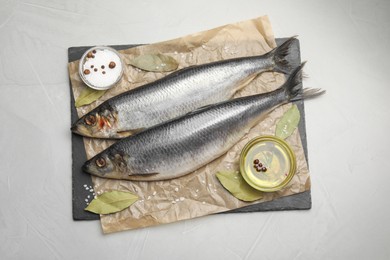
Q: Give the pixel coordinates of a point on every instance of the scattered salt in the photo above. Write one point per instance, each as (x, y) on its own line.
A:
(181, 198)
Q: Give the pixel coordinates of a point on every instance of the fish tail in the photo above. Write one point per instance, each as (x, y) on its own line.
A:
(279, 55)
(293, 86)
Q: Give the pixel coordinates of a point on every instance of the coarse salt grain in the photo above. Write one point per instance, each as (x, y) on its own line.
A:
(176, 189)
(181, 198)
(154, 193)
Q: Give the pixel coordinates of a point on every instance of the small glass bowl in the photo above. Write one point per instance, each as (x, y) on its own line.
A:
(95, 69)
(275, 155)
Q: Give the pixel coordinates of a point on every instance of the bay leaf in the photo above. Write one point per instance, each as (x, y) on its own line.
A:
(111, 202)
(237, 186)
(288, 123)
(88, 95)
(154, 62)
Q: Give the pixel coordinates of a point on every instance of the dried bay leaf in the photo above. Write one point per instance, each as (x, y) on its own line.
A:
(288, 123)
(88, 95)
(111, 202)
(154, 62)
(237, 186)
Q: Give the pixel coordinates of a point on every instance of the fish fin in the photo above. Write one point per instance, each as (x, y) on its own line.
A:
(293, 86)
(199, 109)
(145, 174)
(279, 55)
(126, 133)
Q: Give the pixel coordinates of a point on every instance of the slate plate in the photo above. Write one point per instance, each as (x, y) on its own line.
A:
(82, 182)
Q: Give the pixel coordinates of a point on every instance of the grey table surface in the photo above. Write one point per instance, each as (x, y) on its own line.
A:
(346, 46)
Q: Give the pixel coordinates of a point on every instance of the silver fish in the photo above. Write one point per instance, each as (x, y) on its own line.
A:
(177, 94)
(181, 146)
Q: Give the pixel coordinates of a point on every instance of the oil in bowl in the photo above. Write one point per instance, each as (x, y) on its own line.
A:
(267, 163)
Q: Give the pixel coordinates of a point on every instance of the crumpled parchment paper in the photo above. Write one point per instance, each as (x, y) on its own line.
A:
(199, 193)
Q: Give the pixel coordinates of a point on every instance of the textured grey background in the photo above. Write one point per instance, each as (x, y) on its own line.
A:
(346, 44)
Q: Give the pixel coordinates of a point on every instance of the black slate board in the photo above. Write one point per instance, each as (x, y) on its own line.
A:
(81, 182)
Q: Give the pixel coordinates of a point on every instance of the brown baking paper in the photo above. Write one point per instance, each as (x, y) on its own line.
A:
(199, 193)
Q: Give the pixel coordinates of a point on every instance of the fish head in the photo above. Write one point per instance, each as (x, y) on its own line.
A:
(99, 123)
(112, 165)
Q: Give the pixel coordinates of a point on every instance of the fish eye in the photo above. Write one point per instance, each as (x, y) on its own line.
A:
(90, 120)
(101, 162)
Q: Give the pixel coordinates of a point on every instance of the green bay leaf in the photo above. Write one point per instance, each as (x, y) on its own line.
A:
(155, 62)
(237, 186)
(111, 202)
(288, 123)
(88, 95)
